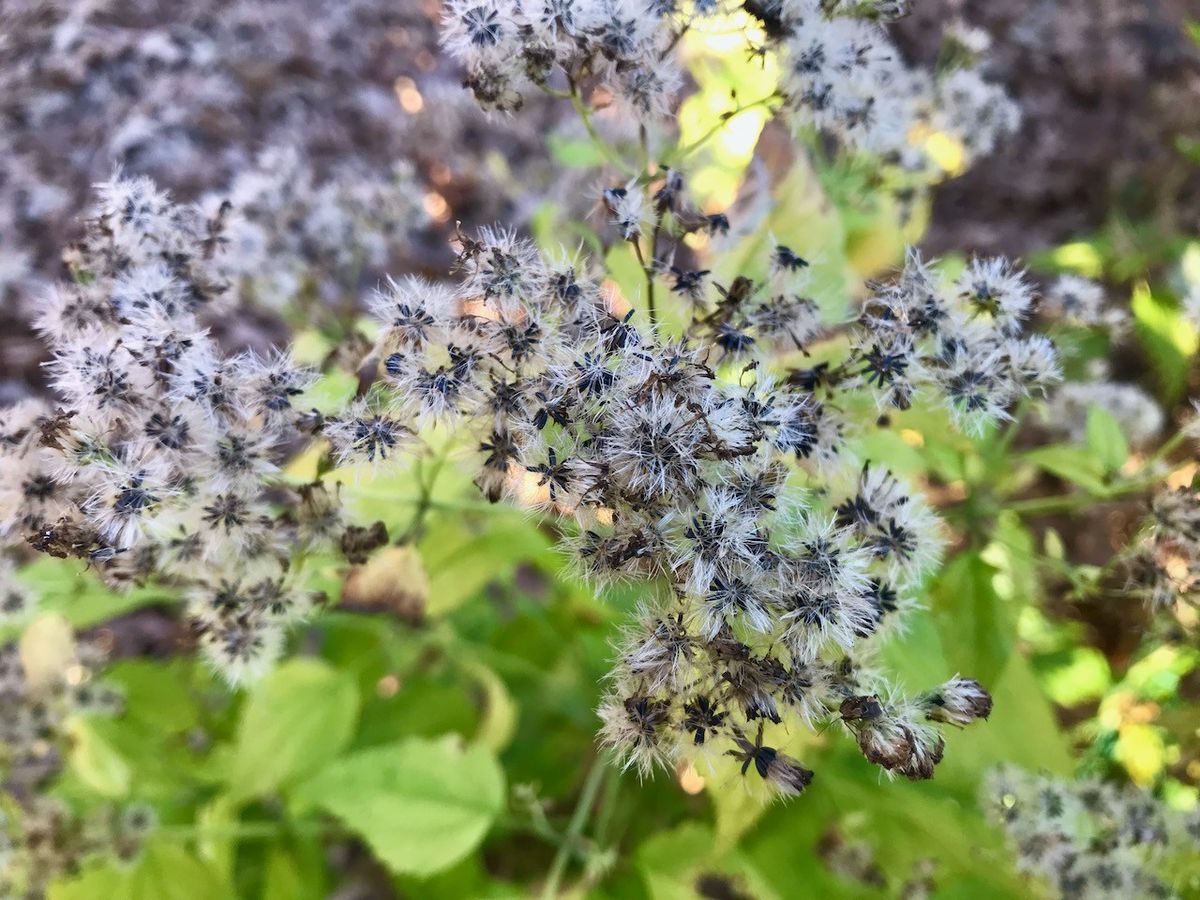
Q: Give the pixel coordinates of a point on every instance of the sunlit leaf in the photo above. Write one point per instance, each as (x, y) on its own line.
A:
(420, 805)
(94, 760)
(295, 721)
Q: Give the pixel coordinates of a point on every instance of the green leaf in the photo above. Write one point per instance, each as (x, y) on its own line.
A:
(95, 880)
(215, 822)
(421, 805)
(163, 871)
(282, 880)
(66, 586)
(974, 623)
(292, 876)
(94, 760)
(156, 696)
(168, 872)
(330, 393)
(1075, 464)
(1167, 339)
(499, 721)
(1104, 438)
(1075, 675)
(300, 717)
(672, 862)
(460, 561)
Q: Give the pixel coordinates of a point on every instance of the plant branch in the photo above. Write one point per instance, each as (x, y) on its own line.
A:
(726, 118)
(583, 808)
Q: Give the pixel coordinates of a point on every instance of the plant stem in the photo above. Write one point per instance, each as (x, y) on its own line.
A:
(1035, 506)
(1010, 433)
(1167, 448)
(686, 151)
(583, 808)
(425, 497)
(648, 271)
(445, 505)
(242, 831)
(602, 145)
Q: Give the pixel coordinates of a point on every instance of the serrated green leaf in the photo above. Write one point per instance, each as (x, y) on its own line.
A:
(299, 718)
(421, 805)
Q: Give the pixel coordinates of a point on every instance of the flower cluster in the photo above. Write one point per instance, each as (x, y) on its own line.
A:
(1081, 301)
(506, 45)
(159, 455)
(50, 841)
(845, 77)
(40, 691)
(968, 344)
(291, 236)
(1088, 838)
(670, 456)
(190, 94)
(45, 687)
(841, 72)
(1166, 561)
(1134, 409)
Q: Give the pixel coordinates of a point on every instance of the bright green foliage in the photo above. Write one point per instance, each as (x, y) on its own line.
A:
(299, 718)
(420, 805)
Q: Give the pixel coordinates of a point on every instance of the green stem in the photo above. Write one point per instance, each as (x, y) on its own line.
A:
(243, 831)
(608, 803)
(543, 831)
(1167, 448)
(1010, 433)
(1069, 502)
(602, 145)
(1036, 506)
(446, 505)
(726, 118)
(425, 500)
(583, 809)
(648, 271)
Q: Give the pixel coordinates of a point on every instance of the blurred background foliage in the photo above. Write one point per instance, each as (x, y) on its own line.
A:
(435, 735)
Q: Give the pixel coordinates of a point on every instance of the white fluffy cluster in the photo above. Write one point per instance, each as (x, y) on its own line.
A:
(1081, 301)
(292, 235)
(507, 45)
(187, 94)
(669, 455)
(1088, 839)
(1136, 411)
(967, 345)
(41, 837)
(1166, 568)
(35, 704)
(844, 76)
(159, 452)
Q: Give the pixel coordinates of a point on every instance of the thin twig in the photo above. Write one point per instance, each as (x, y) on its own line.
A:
(583, 809)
